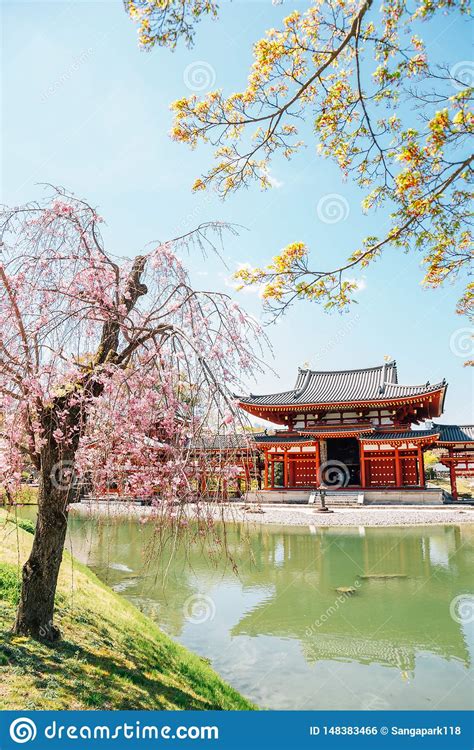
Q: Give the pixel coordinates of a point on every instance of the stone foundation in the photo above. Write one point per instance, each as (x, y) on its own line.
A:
(431, 496)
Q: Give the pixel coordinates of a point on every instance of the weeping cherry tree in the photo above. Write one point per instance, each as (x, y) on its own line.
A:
(107, 367)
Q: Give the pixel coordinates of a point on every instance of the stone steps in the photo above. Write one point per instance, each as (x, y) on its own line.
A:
(337, 498)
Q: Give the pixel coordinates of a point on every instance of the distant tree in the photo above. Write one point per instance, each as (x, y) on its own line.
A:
(391, 119)
(95, 356)
(430, 459)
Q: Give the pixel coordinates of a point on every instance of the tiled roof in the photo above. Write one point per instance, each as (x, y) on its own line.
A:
(223, 442)
(328, 429)
(344, 386)
(383, 436)
(281, 438)
(440, 433)
(453, 433)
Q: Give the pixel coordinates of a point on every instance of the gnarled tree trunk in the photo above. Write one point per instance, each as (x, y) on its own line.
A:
(68, 414)
(40, 572)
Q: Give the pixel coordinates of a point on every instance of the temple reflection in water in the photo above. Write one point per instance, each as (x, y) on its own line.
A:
(387, 619)
(282, 614)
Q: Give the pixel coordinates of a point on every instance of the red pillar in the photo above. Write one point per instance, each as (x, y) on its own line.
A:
(265, 471)
(317, 450)
(362, 464)
(398, 468)
(368, 463)
(285, 468)
(421, 467)
(452, 475)
(292, 468)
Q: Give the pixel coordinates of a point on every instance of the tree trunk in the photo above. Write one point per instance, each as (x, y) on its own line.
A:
(40, 572)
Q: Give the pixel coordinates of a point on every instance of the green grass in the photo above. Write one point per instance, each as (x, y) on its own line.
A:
(26, 495)
(465, 488)
(9, 584)
(111, 655)
(23, 523)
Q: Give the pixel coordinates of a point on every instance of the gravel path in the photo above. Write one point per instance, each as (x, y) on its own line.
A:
(303, 515)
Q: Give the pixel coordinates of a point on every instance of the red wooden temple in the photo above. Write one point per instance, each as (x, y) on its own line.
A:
(356, 428)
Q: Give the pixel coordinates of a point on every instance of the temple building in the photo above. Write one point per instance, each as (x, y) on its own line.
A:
(356, 429)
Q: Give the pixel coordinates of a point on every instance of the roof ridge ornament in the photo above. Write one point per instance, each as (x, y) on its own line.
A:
(383, 375)
(304, 384)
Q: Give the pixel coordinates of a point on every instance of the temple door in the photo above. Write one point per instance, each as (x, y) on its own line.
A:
(305, 470)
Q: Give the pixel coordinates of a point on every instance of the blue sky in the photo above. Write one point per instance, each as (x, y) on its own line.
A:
(84, 107)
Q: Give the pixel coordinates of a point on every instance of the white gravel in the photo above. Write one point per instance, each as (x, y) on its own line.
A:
(302, 515)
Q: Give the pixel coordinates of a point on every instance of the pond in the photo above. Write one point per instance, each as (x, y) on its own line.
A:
(279, 630)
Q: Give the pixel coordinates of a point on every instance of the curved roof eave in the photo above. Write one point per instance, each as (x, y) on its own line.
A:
(379, 401)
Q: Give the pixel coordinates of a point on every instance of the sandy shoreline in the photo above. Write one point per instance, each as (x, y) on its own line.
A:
(303, 515)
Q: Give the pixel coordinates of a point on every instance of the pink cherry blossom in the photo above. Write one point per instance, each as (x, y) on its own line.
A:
(115, 368)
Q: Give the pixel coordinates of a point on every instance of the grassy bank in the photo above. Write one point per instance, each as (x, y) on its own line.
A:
(111, 656)
(26, 495)
(464, 486)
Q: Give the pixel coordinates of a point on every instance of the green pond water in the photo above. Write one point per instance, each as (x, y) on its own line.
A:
(278, 630)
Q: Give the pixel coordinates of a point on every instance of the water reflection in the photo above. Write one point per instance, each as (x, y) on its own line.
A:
(282, 633)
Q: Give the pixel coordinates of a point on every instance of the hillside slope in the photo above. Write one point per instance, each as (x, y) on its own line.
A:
(111, 656)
